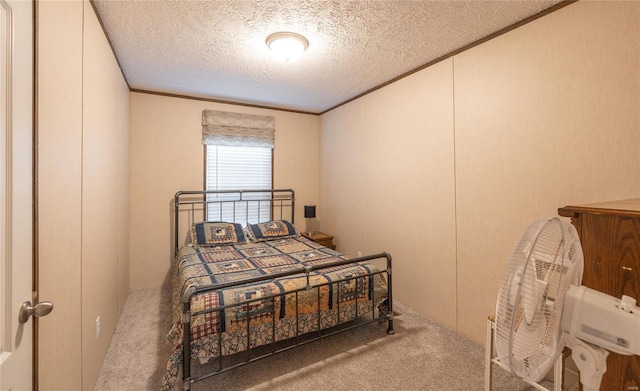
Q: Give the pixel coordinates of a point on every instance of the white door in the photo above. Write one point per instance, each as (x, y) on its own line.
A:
(16, 192)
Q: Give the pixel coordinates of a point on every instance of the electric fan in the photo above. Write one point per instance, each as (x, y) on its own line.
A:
(542, 307)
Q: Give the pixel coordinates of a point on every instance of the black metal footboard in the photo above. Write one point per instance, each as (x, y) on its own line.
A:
(385, 312)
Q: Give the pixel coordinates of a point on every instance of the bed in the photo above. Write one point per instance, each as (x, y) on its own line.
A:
(246, 285)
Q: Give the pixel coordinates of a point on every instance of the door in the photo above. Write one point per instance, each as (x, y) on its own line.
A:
(16, 192)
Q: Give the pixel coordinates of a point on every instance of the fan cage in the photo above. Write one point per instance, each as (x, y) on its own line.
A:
(547, 259)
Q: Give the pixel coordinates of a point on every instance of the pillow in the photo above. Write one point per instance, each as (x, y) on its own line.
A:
(275, 229)
(216, 234)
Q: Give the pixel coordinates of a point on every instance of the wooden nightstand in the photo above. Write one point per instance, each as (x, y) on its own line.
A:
(320, 238)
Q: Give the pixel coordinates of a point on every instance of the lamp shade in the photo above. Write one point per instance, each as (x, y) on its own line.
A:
(309, 211)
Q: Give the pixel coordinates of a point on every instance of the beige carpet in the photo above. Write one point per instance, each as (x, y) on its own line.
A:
(422, 355)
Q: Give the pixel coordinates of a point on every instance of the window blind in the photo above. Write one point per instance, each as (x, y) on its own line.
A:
(237, 129)
(238, 167)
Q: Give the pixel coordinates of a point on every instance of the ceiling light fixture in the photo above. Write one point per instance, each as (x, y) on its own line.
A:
(286, 45)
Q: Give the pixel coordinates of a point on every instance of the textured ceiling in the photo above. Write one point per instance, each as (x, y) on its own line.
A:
(216, 49)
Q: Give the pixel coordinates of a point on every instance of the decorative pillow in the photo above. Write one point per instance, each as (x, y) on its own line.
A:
(271, 230)
(216, 234)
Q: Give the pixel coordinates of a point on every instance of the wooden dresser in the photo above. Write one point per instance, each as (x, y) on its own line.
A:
(610, 237)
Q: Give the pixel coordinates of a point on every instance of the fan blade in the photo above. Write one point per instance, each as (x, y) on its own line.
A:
(532, 299)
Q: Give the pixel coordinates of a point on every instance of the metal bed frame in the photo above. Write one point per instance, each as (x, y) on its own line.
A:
(278, 200)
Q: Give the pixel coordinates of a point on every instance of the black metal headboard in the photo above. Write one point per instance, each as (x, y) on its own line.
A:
(237, 206)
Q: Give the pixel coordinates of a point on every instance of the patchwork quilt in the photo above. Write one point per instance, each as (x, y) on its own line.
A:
(224, 331)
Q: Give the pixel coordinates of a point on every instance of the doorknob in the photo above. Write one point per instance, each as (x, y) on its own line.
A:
(41, 309)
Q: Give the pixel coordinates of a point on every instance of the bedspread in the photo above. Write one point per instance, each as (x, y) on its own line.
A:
(275, 318)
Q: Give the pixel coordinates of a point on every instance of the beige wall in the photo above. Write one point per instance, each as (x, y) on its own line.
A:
(83, 193)
(446, 168)
(167, 156)
(387, 180)
(566, 89)
(60, 191)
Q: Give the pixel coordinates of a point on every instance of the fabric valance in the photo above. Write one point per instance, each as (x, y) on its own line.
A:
(236, 129)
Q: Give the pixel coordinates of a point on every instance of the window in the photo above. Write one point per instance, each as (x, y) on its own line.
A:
(232, 168)
(238, 150)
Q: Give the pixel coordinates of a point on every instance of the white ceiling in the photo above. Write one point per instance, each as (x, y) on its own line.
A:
(216, 49)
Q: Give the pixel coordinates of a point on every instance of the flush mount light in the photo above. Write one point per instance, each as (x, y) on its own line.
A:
(286, 45)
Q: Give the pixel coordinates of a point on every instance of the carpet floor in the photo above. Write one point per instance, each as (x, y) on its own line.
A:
(422, 355)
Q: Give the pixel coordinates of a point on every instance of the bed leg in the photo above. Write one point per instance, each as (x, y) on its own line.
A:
(389, 296)
(186, 346)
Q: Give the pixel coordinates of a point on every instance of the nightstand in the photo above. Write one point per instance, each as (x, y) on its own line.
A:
(320, 238)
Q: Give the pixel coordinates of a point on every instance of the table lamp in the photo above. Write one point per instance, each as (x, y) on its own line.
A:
(309, 213)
